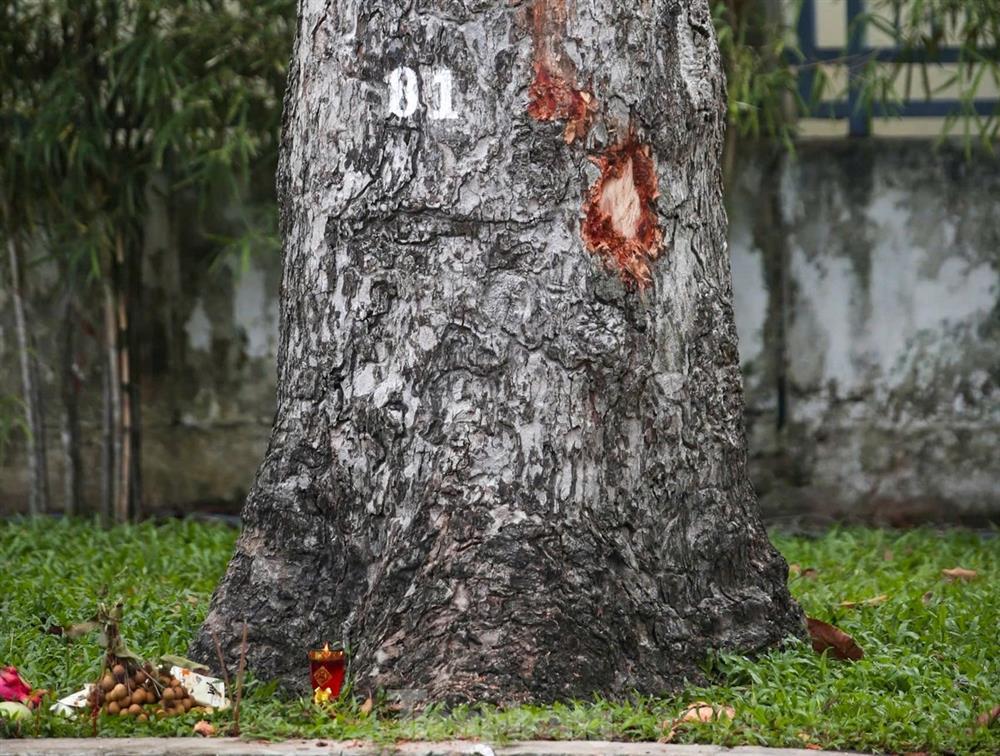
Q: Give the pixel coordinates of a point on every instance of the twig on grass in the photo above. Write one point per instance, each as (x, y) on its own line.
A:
(222, 661)
(239, 683)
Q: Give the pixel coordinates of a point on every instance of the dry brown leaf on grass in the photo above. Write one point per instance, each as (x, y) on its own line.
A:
(988, 717)
(807, 742)
(874, 601)
(959, 573)
(204, 728)
(826, 637)
(366, 707)
(699, 711)
(796, 570)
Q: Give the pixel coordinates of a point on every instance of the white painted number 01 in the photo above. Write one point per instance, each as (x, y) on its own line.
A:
(404, 94)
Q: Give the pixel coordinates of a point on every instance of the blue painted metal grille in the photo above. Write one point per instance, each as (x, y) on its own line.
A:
(855, 55)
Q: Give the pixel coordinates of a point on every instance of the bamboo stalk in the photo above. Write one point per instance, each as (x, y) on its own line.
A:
(123, 426)
(112, 407)
(38, 498)
(72, 469)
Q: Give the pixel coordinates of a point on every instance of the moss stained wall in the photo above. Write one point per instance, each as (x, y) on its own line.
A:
(867, 295)
(868, 304)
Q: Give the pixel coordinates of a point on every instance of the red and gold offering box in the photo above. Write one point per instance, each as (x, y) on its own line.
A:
(326, 670)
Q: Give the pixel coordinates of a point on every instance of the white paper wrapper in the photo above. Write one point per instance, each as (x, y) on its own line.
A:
(206, 691)
(73, 702)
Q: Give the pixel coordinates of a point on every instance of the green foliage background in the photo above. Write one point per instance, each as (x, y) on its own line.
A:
(101, 96)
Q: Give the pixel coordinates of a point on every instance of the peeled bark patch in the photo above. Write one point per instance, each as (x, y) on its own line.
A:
(620, 223)
(553, 95)
(553, 99)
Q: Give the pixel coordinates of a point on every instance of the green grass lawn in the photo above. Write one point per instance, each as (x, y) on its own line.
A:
(932, 654)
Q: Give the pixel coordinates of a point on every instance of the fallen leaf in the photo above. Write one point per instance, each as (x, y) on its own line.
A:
(204, 728)
(699, 711)
(366, 707)
(827, 637)
(874, 601)
(80, 629)
(669, 726)
(988, 717)
(807, 742)
(796, 570)
(926, 598)
(959, 573)
(184, 663)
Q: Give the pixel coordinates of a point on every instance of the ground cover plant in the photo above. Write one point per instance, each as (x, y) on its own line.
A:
(931, 661)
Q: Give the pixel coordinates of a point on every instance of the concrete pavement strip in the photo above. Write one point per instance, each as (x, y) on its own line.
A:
(234, 746)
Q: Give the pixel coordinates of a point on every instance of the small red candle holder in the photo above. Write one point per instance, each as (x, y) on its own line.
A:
(326, 670)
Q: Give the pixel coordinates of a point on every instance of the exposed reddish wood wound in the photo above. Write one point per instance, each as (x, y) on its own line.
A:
(553, 95)
(620, 223)
(552, 99)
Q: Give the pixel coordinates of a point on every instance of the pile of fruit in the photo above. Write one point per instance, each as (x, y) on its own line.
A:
(128, 690)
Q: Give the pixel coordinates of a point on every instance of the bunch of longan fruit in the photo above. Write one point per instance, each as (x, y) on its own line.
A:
(125, 690)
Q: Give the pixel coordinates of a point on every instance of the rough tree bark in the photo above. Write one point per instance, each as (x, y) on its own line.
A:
(508, 460)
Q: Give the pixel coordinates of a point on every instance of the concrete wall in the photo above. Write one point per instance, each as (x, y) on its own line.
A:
(207, 351)
(867, 299)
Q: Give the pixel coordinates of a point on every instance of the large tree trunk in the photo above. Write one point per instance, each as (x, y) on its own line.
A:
(508, 460)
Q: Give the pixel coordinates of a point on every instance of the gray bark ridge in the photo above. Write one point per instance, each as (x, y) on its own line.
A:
(502, 468)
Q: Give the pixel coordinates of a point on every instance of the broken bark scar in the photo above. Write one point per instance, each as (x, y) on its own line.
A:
(554, 95)
(551, 98)
(619, 214)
